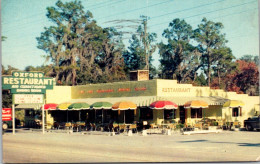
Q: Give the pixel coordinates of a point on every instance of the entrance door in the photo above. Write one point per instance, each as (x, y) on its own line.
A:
(182, 114)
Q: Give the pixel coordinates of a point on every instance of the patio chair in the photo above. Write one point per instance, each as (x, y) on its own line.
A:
(236, 124)
(61, 125)
(205, 127)
(172, 126)
(122, 127)
(68, 125)
(133, 127)
(154, 128)
(198, 125)
(115, 128)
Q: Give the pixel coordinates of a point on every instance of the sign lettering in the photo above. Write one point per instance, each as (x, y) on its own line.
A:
(27, 82)
(175, 89)
(28, 98)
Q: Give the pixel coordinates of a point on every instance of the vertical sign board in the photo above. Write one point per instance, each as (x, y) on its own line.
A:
(6, 114)
(27, 88)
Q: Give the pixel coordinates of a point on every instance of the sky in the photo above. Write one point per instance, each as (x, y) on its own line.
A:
(24, 20)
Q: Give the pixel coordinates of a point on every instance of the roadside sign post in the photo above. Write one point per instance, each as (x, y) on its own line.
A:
(43, 121)
(28, 88)
(13, 115)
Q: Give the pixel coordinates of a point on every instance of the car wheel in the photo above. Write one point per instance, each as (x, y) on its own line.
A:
(5, 126)
(249, 127)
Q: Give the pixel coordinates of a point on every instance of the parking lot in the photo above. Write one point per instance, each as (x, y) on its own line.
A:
(30, 147)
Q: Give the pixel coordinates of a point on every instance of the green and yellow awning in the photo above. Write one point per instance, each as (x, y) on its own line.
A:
(101, 105)
(124, 105)
(78, 106)
(63, 106)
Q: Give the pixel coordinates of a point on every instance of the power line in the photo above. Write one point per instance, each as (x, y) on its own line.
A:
(42, 20)
(222, 16)
(108, 4)
(227, 15)
(187, 9)
(33, 15)
(156, 16)
(136, 9)
(102, 3)
(207, 12)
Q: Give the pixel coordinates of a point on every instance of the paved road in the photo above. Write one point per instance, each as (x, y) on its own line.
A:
(75, 148)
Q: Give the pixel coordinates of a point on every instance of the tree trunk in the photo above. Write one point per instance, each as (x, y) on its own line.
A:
(73, 77)
(208, 75)
(218, 78)
(209, 64)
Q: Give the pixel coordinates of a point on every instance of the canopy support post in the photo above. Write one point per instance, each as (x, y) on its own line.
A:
(124, 116)
(102, 117)
(43, 120)
(13, 115)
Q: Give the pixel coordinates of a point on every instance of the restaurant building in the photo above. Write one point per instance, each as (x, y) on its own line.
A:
(143, 93)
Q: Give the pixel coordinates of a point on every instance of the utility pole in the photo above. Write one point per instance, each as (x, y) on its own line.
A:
(145, 44)
(143, 34)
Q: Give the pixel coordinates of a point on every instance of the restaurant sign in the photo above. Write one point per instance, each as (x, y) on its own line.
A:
(27, 82)
(117, 89)
(27, 98)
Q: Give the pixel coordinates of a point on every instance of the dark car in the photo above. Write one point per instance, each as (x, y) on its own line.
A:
(252, 123)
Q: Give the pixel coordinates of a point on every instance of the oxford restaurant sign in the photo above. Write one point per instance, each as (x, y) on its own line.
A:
(27, 82)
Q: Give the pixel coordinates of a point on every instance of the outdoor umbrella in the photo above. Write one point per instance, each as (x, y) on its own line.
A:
(196, 104)
(101, 106)
(124, 105)
(233, 103)
(78, 106)
(163, 105)
(50, 106)
(64, 106)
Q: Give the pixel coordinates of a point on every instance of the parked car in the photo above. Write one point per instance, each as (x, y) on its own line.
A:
(8, 124)
(5, 125)
(252, 123)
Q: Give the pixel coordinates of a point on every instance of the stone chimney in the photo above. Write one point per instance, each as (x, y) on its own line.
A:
(139, 75)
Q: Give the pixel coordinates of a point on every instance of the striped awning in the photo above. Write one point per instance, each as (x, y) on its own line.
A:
(64, 106)
(28, 106)
(145, 101)
(139, 101)
(233, 103)
(124, 105)
(212, 100)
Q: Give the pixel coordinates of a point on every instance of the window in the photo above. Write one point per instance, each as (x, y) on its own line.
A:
(236, 112)
(196, 113)
(169, 114)
(146, 113)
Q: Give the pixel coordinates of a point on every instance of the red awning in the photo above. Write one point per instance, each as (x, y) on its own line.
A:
(163, 105)
(50, 106)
